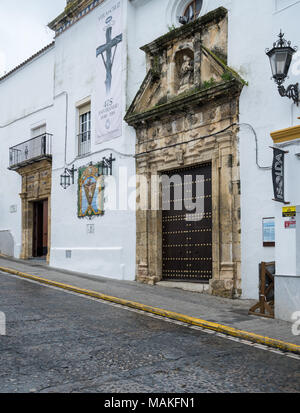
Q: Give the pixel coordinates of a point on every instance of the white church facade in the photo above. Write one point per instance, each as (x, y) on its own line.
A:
(127, 89)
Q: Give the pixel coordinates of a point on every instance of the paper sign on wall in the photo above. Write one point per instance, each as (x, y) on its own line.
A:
(291, 224)
(289, 211)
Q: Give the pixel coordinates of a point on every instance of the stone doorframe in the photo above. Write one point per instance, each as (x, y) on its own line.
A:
(36, 186)
(206, 119)
(225, 222)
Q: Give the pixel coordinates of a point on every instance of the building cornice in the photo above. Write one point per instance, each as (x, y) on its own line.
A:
(74, 11)
(286, 135)
(180, 104)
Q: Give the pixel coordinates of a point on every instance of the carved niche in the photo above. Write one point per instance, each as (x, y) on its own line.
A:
(184, 60)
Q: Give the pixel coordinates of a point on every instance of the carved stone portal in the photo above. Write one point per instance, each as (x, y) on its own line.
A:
(195, 128)
(36, 186)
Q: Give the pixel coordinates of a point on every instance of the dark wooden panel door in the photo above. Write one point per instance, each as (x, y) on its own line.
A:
(40, 229)
(45, 227)
(187, 236)
(37, 229)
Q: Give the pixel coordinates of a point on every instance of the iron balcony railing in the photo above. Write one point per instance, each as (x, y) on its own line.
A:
(31, 151)
(84, 143)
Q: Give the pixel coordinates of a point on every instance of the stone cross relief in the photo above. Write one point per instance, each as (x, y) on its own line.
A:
(186, 74)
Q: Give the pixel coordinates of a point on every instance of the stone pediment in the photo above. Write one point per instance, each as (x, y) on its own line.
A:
(186, 65)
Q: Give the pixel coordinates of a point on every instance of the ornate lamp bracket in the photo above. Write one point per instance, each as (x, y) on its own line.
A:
(292, 92)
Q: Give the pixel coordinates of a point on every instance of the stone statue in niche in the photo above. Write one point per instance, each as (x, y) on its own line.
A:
(186, 74)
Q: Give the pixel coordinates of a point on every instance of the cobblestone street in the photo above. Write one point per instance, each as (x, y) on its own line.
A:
(59, 342)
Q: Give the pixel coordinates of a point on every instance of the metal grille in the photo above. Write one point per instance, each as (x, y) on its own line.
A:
(84, 138)
(187, 236)
(84, 143)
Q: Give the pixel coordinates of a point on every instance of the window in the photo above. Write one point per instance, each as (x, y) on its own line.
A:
(38, 143)
(193, 10)
(84, 137)
(41, 130)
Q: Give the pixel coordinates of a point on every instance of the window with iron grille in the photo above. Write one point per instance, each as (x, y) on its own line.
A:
(193, 10)
(84, 137)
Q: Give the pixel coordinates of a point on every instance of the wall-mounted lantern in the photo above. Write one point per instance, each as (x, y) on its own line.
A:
(105, 167)
(281, 58)
(65, 178)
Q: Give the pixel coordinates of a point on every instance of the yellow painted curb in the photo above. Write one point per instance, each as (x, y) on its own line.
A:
(271, 342)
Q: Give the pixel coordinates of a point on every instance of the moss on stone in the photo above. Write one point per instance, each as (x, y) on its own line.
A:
(208, 83)
(215, 15)
(227, 76)
(227, 68)
(220, 54)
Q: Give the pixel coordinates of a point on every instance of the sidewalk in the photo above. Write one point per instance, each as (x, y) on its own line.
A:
(231, 313)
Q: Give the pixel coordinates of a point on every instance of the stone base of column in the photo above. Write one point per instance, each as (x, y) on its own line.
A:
(225, 286)
(144, 277)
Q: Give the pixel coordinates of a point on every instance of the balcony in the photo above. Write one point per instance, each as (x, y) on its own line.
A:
(33, 150)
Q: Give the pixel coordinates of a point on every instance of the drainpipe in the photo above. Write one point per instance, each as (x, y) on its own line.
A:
(66, 123)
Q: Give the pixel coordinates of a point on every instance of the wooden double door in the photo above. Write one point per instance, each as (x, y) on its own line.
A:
(40, 229)
(187, 238)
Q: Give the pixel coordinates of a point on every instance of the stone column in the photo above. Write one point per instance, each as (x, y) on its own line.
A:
(197, 59)
(142, 223)
(224, 286)
(24, 254)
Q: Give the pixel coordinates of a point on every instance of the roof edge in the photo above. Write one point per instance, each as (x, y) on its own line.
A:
(30, 59)
(73, 12)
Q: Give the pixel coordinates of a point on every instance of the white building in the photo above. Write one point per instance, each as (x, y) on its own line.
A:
(57, 92)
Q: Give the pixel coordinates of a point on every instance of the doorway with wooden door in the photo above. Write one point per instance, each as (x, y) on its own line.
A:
(40, 229)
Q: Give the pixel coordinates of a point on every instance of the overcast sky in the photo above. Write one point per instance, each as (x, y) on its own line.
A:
(23, 29)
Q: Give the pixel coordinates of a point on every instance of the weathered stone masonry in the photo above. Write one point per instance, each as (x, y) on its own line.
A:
(185, 114)
(36, 186)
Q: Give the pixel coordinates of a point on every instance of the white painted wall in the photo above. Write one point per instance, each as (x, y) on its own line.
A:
(263, 108)
(110, 251)
(287, 280)
(253, 26)
(26, 102)
(64, 76)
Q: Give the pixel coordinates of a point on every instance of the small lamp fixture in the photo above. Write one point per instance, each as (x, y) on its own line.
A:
(183, 19)
(65, 178)
(281, 58)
